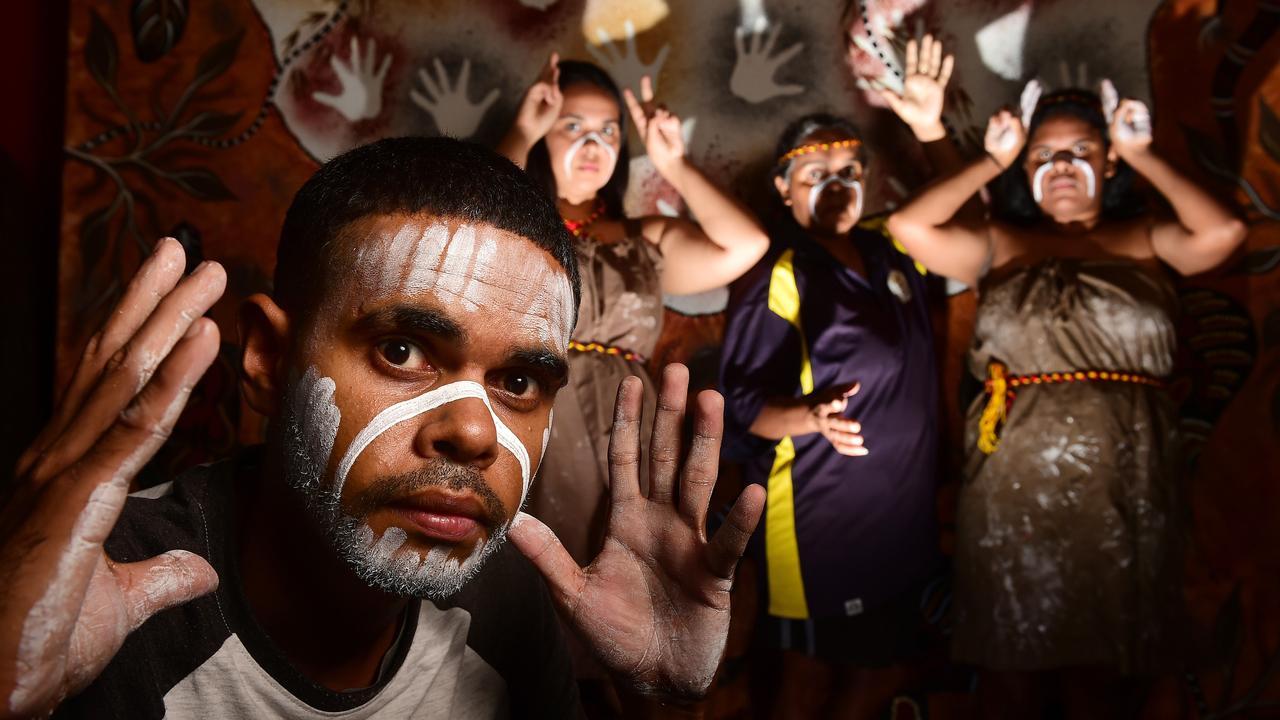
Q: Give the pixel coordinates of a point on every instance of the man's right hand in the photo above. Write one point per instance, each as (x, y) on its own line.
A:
(65, 607)
(825, 417)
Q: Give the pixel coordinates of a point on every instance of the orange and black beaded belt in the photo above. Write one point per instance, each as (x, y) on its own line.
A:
(1000, 389)
(606, 350)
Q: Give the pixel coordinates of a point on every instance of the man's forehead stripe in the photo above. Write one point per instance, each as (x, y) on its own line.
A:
(461, 268)
(427, 402)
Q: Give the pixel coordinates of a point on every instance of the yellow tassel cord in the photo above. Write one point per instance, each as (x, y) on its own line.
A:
(993, 416)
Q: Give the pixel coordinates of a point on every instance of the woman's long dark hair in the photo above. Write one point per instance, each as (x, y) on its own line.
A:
(1011, 198)
(538, 165)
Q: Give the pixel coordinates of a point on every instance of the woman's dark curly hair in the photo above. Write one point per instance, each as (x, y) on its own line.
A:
(1011, 197)
(538, 165)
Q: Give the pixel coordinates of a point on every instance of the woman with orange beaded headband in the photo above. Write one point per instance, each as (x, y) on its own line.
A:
(830, 384)
(1070, 522)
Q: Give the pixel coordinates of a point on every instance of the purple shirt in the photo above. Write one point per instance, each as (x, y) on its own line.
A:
(840, 534)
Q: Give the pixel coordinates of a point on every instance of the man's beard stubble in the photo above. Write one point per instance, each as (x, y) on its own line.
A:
(387, 563)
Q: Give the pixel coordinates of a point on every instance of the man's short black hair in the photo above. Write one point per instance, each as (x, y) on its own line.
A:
(441, 177)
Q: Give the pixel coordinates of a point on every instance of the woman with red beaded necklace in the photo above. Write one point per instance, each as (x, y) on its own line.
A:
(570, 132)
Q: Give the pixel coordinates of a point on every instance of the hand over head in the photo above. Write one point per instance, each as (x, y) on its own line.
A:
(65, 606)
(658, 127)
(542, 102)
(1005, 138)
(923, 89)
(654, 604)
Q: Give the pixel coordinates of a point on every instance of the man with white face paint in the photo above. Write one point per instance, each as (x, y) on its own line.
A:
(355, 565)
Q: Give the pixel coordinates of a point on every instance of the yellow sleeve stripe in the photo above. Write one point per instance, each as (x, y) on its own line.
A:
(784, 301)
(782, 551)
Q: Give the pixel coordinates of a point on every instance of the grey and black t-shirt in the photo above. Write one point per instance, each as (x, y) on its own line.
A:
(494, 650)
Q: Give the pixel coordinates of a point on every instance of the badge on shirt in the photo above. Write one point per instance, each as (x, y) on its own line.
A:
(897, 283)
(853, 607)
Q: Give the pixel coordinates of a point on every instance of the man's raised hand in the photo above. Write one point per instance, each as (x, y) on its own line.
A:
(65, 607)
(654, 604)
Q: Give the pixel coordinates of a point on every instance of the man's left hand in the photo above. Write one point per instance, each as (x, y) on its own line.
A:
(654, 604)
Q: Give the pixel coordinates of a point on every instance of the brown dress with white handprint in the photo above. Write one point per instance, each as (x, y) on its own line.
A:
(621, 307)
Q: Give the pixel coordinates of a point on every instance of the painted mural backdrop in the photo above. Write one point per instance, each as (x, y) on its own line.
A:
(200, 119)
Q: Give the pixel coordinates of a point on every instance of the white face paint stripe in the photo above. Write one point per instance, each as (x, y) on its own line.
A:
(816, 192)
(579, 143)
(427, 402)
(458, 267)
(1037, 180)
(1090, 182)
(423, 275)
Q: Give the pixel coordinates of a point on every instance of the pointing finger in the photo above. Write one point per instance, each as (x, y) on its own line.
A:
(624, 442)
(637, 112)
(536, 542)
(668, 423)
(726, 548)
(703, 463)
(944, 75)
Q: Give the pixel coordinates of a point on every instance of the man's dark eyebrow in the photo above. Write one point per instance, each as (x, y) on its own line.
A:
(413, 319)
(545, 360)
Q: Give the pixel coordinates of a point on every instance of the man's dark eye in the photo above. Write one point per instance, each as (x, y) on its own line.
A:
(397, 353)
(402, 353)
(519, 385)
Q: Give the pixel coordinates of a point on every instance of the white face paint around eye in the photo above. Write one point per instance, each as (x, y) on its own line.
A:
(427, 402)
(1037, 181)
(816, 192)
(577, 145)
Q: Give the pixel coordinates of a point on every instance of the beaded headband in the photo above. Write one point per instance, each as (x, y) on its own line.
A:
(817, 147)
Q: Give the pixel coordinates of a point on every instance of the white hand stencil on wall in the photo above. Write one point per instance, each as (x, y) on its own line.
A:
(627, 68)
(1000, 42)
(753, 73)
(538, 4)
(360, 97)
(447, 102)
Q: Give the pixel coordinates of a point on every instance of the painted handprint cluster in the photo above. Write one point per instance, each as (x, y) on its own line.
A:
(448, 101)
(360, 96)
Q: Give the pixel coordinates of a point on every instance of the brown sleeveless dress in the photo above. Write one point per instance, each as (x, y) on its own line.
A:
(621, 307)
(1070, 534)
